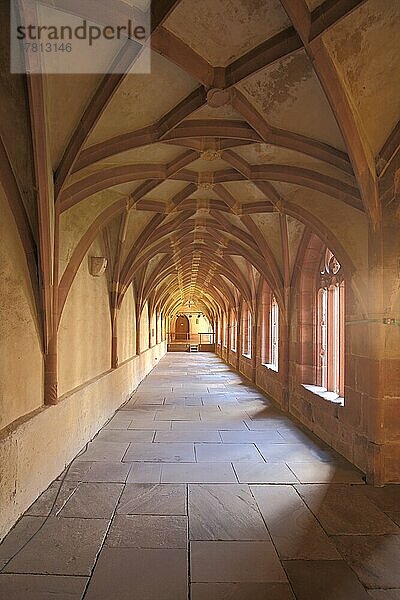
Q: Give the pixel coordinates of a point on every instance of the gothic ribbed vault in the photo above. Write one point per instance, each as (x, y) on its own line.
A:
(211, 172)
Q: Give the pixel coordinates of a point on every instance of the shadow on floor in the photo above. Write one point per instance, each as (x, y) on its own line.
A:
(199, 483)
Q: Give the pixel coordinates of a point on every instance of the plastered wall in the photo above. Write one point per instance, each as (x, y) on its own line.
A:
(21, 364)
(84, 344)
(144, 329)
(126, 327)
(37, 441)
(153, 323)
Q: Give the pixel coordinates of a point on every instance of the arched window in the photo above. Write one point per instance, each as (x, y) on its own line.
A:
(247, 323)
(233, 332)
(330, 326)
(270, 329)
(274, 334)
(224, 332)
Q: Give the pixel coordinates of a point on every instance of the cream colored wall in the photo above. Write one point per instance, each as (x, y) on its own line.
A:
(144, 329)
(126, 327)
(37, 450)
(153, 324)
(21, 361)
(85, 330)
(159, 326)
(201, 327)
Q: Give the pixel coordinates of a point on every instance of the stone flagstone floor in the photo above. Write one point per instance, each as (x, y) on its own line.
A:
(199, 488)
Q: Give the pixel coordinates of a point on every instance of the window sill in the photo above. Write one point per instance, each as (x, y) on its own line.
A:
(247, 355)
(323, 393)
(271, 367)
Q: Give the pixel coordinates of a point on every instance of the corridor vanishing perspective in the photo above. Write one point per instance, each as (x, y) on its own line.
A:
(200, 488)
(199, 300)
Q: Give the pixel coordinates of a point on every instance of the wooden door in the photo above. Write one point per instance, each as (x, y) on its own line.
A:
(182, 328)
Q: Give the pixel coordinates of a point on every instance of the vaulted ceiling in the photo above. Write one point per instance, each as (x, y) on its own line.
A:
(261, 121)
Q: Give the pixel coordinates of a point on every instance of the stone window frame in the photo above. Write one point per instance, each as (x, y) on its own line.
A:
(224, 331)
(313, 276)
(266, 304)
(246, 330)
(273, 332)
(330, 326)
(233, 332)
